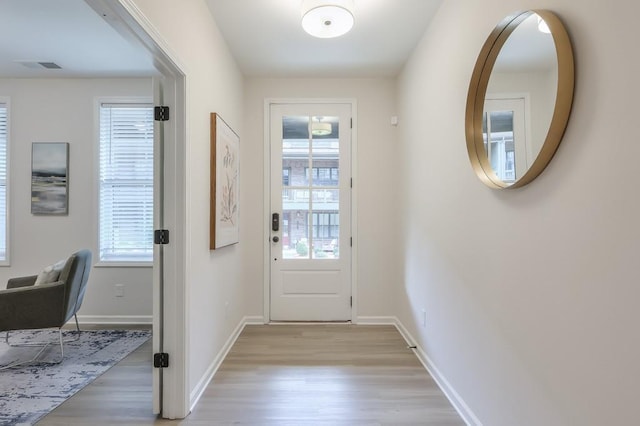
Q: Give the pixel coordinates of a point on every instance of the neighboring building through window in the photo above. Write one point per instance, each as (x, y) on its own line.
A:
(326, 225)
(4, 140)
(323, 175)
(310, 197)
(126, 183)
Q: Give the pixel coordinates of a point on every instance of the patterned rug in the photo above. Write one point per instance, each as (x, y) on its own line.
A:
(30, 391)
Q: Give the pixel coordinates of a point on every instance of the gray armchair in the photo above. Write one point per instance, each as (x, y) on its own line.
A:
(24, 305)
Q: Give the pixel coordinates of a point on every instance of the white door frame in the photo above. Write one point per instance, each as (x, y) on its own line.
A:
(131, 23)
(267, 196)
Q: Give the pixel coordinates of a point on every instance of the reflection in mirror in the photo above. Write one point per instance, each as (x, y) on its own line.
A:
(504, 125)
(513, 99)
(497, 129)
(526, 70)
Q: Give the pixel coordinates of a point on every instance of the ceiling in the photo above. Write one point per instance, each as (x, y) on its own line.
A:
(265, 37)
(267, 40)
(68, 33)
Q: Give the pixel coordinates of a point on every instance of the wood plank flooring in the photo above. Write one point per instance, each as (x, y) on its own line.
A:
(324, 374)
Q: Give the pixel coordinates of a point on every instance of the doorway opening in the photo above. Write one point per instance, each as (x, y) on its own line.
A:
(170, 390)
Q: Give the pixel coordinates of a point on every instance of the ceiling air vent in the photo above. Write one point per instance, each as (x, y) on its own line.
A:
(39, 65)
(50, 65)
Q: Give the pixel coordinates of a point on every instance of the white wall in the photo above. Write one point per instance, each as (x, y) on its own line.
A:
(375, 180)
(531, 294)
(214, 84)
(64, 110)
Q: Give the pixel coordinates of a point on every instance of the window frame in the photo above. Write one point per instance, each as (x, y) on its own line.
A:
(132, 100)
(5, 100)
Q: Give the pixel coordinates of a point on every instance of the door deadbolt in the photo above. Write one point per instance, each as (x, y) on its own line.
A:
(275, 239)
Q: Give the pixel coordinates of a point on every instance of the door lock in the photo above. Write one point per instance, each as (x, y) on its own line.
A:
(275, 239)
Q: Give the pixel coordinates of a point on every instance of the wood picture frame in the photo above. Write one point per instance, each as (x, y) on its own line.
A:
(224, 184)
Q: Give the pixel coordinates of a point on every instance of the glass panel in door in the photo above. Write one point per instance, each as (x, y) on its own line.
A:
(310, 194)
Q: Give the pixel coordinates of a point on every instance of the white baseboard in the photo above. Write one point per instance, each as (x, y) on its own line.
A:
(456, 400)
(199, 389)
(115, 319)
(254, 320)
(376, 320)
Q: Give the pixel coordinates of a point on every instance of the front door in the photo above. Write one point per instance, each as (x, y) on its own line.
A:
(310, 217)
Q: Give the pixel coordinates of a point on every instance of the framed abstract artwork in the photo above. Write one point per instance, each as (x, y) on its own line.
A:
(50, 178)
(224, 187)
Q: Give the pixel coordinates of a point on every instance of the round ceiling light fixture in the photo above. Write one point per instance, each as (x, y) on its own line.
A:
(319, 127)
(327, 18)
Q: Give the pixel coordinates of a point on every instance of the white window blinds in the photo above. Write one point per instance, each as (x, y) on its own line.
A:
(3, 181)
(126, 183)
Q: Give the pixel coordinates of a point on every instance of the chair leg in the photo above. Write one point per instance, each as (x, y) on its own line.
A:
(44, 345)
(35, 357)
(77, 331)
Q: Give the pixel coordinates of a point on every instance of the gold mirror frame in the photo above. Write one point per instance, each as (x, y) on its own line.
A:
(478, 90)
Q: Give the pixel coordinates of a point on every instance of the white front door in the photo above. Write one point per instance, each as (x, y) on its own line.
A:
(310, 217)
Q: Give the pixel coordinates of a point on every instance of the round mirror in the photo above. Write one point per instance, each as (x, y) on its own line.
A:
(519, 99)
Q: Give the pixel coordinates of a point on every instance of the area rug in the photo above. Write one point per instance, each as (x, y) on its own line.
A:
(30, 391)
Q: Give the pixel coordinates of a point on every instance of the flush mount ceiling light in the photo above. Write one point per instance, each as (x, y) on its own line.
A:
(320, 128)
(327, 18)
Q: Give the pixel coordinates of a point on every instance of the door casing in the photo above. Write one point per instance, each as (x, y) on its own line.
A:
(267, 198)
(128, 20)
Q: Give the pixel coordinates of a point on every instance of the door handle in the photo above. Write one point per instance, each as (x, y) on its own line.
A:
(275, 222)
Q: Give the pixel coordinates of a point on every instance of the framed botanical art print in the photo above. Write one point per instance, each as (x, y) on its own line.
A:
(224, 189)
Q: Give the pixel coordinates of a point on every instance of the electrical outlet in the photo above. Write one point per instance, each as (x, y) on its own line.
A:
(119, 290)
(424, 317)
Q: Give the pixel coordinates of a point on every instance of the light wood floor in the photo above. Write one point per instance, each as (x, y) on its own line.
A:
(282, 375)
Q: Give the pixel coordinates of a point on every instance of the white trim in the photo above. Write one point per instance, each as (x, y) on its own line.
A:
(254, 320)
(134, 26)
(202, 384)
(137, 29)
(115, 319)
(353, 102)
(454, 398)
(371, 320)
(176, 330)
(309, 323)
(266, 155)
(354, 210)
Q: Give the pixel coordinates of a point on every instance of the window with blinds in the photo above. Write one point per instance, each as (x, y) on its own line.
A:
(126, 183)
(4, 112)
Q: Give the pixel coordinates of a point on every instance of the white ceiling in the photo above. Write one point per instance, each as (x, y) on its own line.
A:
(267, 39)
(68, 33)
